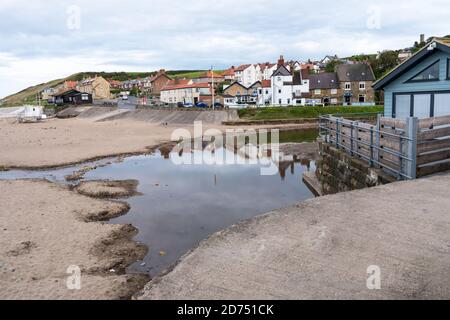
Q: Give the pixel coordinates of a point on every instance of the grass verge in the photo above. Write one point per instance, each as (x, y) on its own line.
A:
(280, 113)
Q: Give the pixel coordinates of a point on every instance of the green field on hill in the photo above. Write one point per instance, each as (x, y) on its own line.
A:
(281, 113)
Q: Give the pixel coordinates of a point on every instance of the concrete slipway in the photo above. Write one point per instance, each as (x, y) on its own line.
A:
(322, 248)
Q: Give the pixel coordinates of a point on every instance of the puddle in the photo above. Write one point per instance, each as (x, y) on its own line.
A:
(182, 205)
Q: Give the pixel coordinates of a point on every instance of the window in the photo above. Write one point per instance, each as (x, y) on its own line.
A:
(422, 105)
(431, 73)
(288, 101)
(334, 101)
(441, 104)
(402, 107)
(362, 98)
(279, 101)
(362, 86)
(260, 91)
(348, 86)
(317, 91)
(84, 97)
(448, 69)
(279, 91)
(267, 91)
(333, 91)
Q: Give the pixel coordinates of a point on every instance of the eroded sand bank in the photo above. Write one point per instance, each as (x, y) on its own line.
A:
(46, 228)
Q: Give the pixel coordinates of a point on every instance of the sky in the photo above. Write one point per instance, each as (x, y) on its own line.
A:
(42, 40)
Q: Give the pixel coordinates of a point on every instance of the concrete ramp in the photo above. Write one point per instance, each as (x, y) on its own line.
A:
(13, 112)
(326, 248)
(175, 116)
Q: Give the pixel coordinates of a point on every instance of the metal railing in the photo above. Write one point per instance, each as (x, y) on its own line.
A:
(382, 147)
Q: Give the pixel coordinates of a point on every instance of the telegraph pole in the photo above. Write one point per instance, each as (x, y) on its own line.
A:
(212, 88)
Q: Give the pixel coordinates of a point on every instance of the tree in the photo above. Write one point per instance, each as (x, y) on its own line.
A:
(387, 60)
(331, 66)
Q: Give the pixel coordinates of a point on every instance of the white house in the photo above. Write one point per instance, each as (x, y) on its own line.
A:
(265, 93)
(288, 88)
(265, 71)
(246, 74)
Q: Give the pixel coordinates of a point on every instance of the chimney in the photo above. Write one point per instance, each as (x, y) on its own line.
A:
(281, 61)
(422, 38)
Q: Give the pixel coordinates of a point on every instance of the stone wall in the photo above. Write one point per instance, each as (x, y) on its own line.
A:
(337, 171)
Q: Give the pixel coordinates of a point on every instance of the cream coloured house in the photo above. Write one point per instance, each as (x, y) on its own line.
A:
(185, 93)
(97, 86)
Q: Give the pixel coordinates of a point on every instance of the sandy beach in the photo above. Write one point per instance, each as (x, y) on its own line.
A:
(59, 142)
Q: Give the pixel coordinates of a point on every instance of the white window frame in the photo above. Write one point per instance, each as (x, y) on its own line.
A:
(348, 86)
(362, 86)
(334, 91)
(318, 91)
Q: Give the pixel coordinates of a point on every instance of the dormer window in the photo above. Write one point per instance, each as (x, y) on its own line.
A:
(431, 73)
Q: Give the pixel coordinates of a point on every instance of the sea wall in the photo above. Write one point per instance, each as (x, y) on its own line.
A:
(338, 171)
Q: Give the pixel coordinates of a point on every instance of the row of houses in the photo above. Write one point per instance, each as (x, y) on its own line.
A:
(351, 84)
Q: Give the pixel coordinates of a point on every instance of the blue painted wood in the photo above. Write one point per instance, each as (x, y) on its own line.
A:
(399, 85)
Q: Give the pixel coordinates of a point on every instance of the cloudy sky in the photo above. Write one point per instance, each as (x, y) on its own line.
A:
(46, 39)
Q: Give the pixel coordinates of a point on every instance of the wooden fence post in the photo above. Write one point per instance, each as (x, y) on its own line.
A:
(412, 127)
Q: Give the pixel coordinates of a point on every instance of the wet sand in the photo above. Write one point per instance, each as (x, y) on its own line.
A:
(60, 142)
(45, 228)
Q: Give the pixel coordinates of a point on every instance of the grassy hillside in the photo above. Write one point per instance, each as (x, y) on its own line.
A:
(28, 96)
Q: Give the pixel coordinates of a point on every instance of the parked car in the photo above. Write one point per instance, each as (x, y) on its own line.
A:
(201, 105)
(188, 105)
(218, 105)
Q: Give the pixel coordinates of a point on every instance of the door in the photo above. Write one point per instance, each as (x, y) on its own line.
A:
(347, 100)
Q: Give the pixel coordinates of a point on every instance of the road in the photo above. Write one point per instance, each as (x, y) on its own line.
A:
(129, 104)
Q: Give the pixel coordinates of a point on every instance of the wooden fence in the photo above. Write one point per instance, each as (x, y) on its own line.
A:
(406, 149)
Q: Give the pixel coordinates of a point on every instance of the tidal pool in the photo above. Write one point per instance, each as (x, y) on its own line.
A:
(182, 204)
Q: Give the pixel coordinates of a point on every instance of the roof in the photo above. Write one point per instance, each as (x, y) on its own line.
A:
(255, 84)
(209, 74)
(185, 86)
(281, 71)
(355, 72)
(305, 74)
(236, 83)
(326, 80)
(242, 67)
(442, 44)
(68, 92)
(266, 83)
(178, 82)
(229, 72)
(266, 65)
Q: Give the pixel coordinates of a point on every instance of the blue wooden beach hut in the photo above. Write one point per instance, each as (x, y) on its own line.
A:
(419, 87)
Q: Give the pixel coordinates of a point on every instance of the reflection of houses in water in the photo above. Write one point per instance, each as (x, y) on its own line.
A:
(246, 152)
(283, 166)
